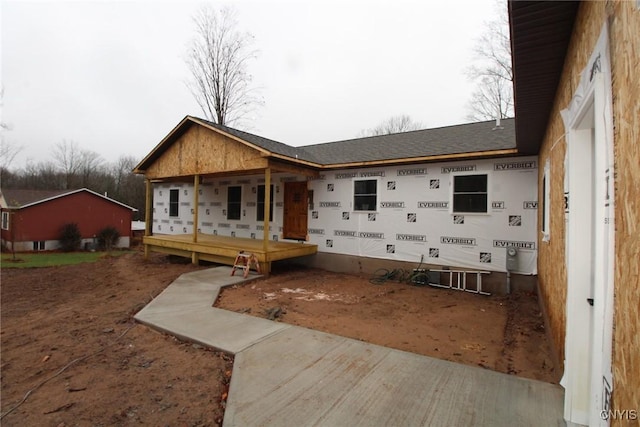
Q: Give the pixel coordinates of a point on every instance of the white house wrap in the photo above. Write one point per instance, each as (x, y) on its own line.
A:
(413, 217)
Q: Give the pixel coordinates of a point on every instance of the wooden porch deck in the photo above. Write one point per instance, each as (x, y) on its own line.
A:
(223, 249)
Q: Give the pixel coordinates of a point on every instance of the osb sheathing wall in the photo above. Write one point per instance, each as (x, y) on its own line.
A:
(625, 50)
(202, 151)
(624, 20)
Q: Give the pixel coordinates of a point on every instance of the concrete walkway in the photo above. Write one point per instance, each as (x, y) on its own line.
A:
(286, 375)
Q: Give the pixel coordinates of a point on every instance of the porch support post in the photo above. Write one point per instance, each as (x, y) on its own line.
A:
(196, 196)
(195, 256)
(267, 210)
(147, 207)
(147, 213)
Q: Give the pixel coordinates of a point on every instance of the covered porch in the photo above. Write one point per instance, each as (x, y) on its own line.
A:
(223, 249)
(201, 155)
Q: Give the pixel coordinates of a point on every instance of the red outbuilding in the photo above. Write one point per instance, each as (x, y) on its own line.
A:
(32, 219)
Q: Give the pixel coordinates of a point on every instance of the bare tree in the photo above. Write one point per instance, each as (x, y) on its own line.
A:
(218, 59)
(91, 166)
(492, 71)
(492, 99)
(121, 170)
(76, 164)
(395, 124)
(67, 157)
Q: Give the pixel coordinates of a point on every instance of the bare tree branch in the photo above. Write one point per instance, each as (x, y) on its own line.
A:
(8, 152)
(218, 59)
(492, 71)
(395, 124)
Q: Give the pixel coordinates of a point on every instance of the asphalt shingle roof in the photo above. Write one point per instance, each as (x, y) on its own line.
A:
(467, 138)
(19, 198)
(457, 139)
(16, 198)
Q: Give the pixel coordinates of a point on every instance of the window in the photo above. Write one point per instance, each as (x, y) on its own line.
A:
(5, 220)
(38, 246)
(470, 193)
(234, 202)
(260, 203)
(173, 202)
(365, 195)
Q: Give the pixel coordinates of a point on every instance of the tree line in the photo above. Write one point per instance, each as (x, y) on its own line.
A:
(72, 167)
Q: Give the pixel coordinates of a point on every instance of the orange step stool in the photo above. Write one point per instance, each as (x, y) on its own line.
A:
(244, 261)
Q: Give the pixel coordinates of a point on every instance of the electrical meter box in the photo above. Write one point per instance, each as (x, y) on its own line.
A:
(512, 258)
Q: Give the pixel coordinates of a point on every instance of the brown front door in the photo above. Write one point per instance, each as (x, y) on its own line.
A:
(295, 210)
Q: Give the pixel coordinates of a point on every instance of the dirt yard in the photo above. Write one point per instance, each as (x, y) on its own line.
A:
(71, 348)
(117, 372)
(505, 334)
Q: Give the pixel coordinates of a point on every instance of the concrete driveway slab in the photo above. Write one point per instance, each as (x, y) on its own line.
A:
(301, 377)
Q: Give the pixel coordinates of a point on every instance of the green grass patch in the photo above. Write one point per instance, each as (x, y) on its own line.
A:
(53, 259)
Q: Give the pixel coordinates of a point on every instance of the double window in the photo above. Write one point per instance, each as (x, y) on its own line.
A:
(470, 194)
(365, 195)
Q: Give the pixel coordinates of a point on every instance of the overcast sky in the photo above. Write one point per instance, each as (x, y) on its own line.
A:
(110, 75)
